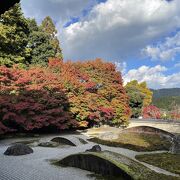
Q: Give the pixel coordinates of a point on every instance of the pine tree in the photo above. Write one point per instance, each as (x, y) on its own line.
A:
(39, 42)
(49, 27)
(14, 34)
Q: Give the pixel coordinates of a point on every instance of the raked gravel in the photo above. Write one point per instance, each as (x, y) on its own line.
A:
(37, 166)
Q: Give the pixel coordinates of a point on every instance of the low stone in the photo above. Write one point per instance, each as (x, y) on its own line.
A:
(175, 149)
(18, 149)
(95, 148)
(48, 144)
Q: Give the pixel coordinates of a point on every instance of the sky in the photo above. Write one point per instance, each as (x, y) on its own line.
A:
(141, 37)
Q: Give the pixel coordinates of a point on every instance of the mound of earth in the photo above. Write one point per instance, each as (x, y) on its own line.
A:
(95, 164)
(137, 141)
(149, 130)
(112, 165)
(62, 140)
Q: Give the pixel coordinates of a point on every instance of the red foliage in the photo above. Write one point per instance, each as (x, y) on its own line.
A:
(175, 115)
(55, 63)
(61, 95)
(151, 111)
(32, 99)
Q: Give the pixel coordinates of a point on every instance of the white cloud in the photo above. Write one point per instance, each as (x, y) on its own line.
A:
(119, 28)
(121, 66)
(154, 76)
(164, 51)
(59, 10)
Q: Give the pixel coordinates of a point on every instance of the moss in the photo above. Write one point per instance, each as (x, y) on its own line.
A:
(137, 142)
(134, 169)
(82, 141)
(167, 161)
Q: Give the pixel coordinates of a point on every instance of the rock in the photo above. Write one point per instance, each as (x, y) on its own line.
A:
(63, 141)
(18, 149)
(48, 144)
(95, 148)
(108, 136)
(175, 149)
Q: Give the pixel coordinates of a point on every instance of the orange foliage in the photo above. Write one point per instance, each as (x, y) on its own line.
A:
(89, 92)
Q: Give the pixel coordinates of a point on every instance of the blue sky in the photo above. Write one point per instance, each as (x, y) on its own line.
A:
(141, 37)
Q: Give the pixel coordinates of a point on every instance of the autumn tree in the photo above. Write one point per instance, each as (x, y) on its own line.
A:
(139, 96)
(101, 97)
(62, 95)
(14, 34)
(49, 28)
(147, 92)
(32, 99)
(151, 111)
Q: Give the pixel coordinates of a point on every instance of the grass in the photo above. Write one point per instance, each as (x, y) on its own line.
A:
(137, 142)
(167, 161)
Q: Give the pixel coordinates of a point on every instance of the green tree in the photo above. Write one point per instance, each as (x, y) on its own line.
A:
(135, 99)
(49, 27)
(39, 42)
(14, 34)
(139, 96)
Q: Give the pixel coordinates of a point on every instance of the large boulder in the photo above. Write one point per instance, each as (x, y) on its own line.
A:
(18, 149)
(95, 148)
(175, 149)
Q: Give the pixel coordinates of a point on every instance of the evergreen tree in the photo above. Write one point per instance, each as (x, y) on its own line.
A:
(39, 42)
(49, 27)
(14, 34)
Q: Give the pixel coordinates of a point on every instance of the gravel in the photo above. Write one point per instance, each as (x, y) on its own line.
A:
(37, 166)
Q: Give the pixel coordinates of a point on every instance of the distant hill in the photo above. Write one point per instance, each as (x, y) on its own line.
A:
(166, 92)
(166, 98)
